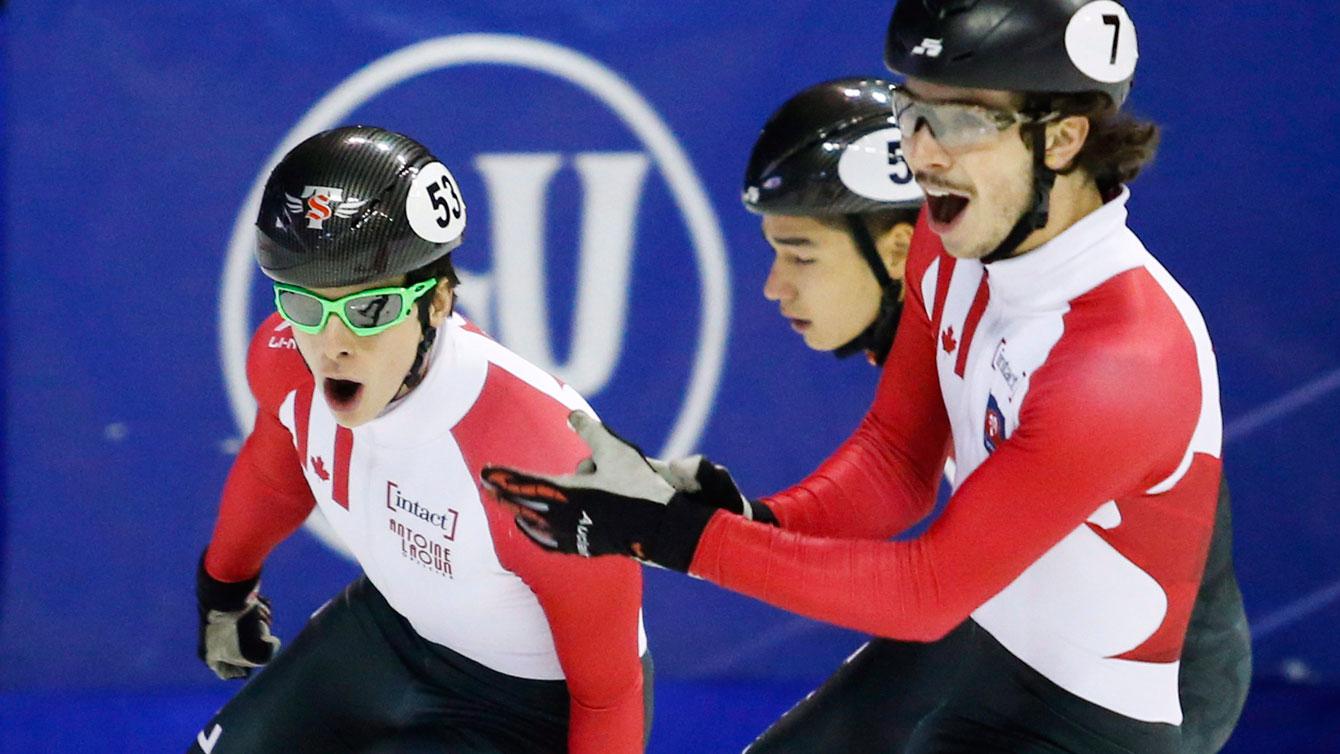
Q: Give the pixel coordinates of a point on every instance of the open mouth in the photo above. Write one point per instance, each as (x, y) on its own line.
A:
(945, 208)
(342, 395)
(796, 323)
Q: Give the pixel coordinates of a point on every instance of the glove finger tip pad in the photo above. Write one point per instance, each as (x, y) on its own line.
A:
(520, 488)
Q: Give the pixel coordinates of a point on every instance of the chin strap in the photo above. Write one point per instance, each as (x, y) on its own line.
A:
(427, 336)
(1036, 216)
(877, 339)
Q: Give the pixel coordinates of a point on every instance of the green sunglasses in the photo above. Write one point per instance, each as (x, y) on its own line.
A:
(364, 313)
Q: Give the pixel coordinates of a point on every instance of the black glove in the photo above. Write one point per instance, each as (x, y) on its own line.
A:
(615, 504)
(234, 625)
(708, 483)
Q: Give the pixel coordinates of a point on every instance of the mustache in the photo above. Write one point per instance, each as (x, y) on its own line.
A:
(926, 180)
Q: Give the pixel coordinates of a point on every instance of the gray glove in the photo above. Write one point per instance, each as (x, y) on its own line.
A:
(708, 483)
(701, 480)
(616, 505)
(234, 625)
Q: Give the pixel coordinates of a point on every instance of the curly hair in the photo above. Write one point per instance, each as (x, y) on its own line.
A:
(1119, 144)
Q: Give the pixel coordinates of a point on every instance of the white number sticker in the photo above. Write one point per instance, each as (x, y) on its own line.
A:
(1101, 42)
(434, 205)
(874, 167)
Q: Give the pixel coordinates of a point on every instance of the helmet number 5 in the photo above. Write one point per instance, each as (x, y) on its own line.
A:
(901, 172)
(449, 210)
(1114, 21)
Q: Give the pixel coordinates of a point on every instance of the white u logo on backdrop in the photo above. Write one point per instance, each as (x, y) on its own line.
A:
(516, 185)
(611, 192)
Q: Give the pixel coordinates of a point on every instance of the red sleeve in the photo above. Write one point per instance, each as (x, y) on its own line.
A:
(1084, 437)
(593, 605)
(883, 478)
(266, 497)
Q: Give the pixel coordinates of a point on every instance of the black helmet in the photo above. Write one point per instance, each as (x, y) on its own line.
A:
(835, 149)
(1016, 45)
(832, 149)
(356, 204)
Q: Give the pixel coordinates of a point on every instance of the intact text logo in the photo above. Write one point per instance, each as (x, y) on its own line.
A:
(446, 521)
(421, 539)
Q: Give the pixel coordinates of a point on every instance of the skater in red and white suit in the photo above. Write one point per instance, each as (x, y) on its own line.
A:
(1071, 376)
(379, 406)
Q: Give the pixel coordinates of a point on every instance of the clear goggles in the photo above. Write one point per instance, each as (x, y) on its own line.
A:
(955, 125)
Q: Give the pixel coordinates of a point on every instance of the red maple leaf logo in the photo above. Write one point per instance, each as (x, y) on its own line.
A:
(947, 340)
(319, 466)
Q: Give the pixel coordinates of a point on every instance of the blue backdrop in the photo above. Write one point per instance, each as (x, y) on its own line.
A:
(136, 133)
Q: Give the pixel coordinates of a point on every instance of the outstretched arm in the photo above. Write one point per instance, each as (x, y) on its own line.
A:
(1036, 489)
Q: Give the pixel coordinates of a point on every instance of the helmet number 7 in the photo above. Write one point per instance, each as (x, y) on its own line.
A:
(1114, 21)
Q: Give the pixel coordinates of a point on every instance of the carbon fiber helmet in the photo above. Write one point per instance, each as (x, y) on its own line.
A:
(354, 205)
(1067, 46)
(832, 149)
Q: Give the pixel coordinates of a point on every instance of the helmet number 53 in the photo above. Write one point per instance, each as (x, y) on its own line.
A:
(450, 210)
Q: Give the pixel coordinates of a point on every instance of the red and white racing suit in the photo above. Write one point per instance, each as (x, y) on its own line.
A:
(1078, 387)
(402, 494)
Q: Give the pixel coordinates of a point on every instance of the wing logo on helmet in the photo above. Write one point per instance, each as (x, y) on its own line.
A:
(321, 203)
